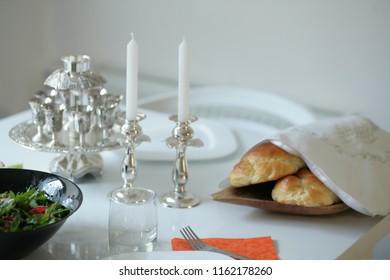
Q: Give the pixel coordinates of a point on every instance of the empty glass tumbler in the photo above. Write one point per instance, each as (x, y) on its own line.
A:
(132, 220)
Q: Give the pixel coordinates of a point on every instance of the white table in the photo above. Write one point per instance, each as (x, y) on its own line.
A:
(347, 235)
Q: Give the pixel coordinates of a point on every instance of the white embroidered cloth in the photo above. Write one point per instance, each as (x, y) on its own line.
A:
(350, 155)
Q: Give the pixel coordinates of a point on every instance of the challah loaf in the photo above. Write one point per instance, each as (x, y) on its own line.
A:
(263, 163)
(303, 189)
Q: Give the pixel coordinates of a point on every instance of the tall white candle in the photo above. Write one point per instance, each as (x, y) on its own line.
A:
(183, 82)
(132, 79)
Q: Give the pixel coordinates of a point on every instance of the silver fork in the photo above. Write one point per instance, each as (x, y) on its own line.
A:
(197, 244)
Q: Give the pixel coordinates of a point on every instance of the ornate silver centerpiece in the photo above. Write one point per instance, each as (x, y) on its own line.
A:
(75, 117)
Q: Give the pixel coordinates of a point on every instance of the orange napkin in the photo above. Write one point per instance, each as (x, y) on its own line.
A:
(257, 248)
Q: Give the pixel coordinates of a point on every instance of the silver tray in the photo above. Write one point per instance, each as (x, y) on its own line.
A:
(24, 132)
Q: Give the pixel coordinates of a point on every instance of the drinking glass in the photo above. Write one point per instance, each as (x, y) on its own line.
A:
(132, 220)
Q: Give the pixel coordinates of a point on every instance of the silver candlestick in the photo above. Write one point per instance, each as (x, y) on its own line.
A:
(181, 138)
(134, 136)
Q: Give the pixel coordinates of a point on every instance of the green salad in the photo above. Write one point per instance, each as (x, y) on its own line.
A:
(28, 210)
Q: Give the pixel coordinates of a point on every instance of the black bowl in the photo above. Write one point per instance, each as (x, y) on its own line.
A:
(16, 245)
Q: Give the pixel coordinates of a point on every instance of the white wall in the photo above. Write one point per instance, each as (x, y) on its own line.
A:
(331, 54)
(24, 51)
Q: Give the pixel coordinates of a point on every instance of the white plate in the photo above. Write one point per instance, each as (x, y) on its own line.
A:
(219, 140)
(236, 107)
(170, 255)
(243, 110)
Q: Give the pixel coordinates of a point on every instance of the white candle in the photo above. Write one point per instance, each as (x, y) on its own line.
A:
(183, 82)
(131, 79)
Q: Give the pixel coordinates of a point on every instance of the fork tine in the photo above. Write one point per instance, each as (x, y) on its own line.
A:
(194, 234)
(185, 235)
(194, 239)
(188, 238)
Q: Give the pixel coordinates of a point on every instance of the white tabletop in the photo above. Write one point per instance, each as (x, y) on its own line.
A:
(84, 235)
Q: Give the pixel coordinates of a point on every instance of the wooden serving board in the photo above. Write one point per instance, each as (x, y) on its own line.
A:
(259, 196)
